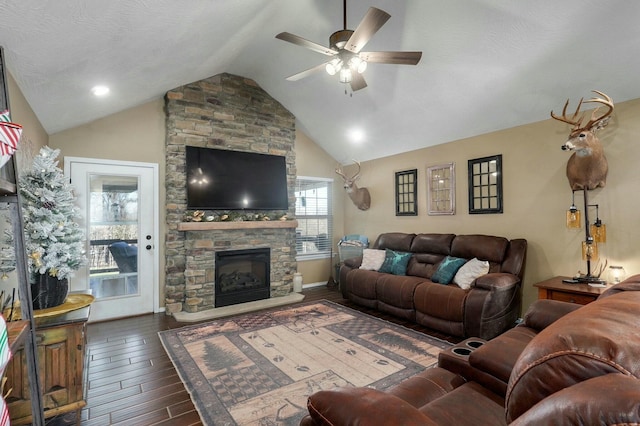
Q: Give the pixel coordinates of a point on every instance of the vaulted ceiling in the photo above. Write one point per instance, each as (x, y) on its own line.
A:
(486, 65)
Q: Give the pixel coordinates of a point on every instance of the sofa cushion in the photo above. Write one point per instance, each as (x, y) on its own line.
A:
(395, 241)
(470, 271)
(395, 262)
(432, 243)
(447, 269)
(592, 341)
(484, 247)
(445, 302)
(372, 259)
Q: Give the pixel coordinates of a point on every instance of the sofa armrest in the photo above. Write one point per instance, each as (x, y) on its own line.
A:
(353, 262)
(496, 281)
(613, 399)
(362, 406)
(544, 312)
(492, 306)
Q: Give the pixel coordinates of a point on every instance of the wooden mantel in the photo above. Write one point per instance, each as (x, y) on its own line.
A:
(258, 224)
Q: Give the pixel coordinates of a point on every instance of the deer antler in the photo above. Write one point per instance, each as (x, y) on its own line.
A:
(595, 122)
(341, 173)
(357, 175)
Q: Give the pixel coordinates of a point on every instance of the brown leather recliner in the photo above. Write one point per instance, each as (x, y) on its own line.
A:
(565, 365)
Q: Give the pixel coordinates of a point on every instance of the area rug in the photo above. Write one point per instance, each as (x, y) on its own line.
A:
(259, 369)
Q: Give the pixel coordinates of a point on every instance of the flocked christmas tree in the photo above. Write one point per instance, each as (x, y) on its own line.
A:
(54, 241)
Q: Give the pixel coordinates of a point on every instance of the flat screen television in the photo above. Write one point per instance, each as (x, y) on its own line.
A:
(220, 179)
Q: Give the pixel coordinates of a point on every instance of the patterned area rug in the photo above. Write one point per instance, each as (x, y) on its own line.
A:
(259, 369)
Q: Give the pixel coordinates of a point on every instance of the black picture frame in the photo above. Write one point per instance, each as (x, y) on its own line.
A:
(407, 193)
(485, 185)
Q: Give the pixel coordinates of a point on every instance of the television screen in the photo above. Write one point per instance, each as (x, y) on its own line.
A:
(219, 179)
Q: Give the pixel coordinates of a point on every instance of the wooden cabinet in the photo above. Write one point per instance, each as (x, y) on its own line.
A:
(61, 345)
(555, 289)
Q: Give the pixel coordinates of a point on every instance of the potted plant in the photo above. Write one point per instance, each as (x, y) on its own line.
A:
(53, 240)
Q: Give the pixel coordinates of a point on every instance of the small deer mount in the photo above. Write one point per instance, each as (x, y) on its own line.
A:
(360, 196)
(587, 167)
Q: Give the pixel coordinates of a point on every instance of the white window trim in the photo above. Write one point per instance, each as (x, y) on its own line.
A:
(324, 255)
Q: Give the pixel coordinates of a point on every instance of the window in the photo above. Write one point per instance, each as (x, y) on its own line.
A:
(315, 220)
(485, 185)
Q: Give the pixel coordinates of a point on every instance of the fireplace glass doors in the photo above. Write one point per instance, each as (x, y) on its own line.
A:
(242, 276)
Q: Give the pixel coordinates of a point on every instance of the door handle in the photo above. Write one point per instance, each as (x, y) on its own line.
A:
(148, 247)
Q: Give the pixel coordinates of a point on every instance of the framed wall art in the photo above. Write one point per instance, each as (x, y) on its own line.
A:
(407, 193)
(485, 185)
(441, 189)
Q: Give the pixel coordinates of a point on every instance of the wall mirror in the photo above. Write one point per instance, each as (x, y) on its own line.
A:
(407, 193)
(485, 185)
(441, 189)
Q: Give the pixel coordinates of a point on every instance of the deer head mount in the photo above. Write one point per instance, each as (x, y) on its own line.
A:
(587, 168)
(360, 196)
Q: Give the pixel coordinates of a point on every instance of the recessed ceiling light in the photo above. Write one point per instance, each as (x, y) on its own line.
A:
(356, 135)
(100, 90)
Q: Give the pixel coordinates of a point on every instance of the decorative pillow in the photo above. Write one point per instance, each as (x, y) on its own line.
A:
(447, 269)
(372, 259)
(395, 262)
(470, 271)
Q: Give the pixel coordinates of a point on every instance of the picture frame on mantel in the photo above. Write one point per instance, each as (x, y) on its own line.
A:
(407, 193)
(441, 189)
(485, 185)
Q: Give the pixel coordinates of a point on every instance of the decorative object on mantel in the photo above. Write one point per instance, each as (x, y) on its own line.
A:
(586, 170)
(53, 240)
(360, 196)
(233, 216)
(10, 134)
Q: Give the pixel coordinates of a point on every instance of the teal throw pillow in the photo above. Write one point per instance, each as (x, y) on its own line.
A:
(447, 269)
(395, 262)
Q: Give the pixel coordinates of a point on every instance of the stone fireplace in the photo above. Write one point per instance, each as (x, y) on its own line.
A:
(225, 112)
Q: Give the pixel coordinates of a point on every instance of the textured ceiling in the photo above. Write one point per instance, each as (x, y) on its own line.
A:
(486, 64)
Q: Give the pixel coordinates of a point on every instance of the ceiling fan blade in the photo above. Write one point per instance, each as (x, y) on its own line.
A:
(402, 58)
(305, 73)
(292, 38)
(370, 24)
(357, 82)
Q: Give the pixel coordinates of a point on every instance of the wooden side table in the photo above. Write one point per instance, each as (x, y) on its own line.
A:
(555, 289)
(61, 342)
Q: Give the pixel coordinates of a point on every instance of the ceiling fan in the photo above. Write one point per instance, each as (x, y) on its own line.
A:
(347, 59)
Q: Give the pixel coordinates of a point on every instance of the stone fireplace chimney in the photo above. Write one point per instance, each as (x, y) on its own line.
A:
(225, 112)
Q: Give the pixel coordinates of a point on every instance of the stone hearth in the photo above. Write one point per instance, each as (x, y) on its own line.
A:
(225, 112)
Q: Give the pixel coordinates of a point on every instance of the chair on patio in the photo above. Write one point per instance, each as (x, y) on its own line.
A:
(125, 255)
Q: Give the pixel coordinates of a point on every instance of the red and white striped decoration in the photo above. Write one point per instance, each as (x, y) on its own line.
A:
(5, 356)
(10, 134)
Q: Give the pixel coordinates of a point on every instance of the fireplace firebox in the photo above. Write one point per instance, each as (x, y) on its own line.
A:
(242, 276)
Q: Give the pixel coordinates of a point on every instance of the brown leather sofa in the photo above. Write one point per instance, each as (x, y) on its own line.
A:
(565, 364)
(491, 306)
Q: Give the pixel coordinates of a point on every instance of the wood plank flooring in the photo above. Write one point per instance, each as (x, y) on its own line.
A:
(131, 380)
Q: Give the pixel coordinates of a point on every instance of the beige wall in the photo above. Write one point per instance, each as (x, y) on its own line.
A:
(34, 136)
(313, 161)
(536, 195)
(136, 134)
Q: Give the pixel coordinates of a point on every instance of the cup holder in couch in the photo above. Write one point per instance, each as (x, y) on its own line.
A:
(474, 344)
(461, 351)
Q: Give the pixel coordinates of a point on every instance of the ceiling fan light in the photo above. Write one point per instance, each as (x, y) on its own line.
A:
(345, 75)
(362, 66)
(333, 66)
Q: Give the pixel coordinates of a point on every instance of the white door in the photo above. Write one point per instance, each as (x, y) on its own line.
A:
(119, 206)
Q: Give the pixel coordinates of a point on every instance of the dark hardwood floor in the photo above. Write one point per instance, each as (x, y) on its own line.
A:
(131, 380)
